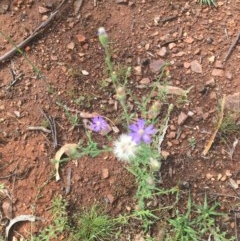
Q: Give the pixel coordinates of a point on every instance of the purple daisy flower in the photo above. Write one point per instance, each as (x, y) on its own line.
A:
(141, 133)
(98, 124)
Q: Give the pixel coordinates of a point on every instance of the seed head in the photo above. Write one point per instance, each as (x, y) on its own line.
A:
(154, 164)
(121, 93)
(124, 148)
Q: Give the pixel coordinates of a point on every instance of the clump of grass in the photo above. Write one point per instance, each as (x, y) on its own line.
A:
(198, 223)
(60, 222)
(94, 224)
(206, 220)
(208, 2)
(182, 226)
(192, 142)
(228, 126)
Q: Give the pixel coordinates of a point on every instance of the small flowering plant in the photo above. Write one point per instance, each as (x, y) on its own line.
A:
(139, 147)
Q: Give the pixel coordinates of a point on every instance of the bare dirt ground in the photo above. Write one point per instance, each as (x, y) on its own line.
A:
(194, 39)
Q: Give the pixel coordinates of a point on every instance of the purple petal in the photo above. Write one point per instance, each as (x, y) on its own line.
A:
(146, 138)
(141, 123)
(150, 130)
(135, 137)
(95, 119)
(133, 128)
(94, 127)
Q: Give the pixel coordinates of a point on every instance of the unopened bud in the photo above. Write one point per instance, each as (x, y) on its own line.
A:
(167, 73)
(154, 110)
(154, 164)
(150, 181)
(121, 93)
(103, 37)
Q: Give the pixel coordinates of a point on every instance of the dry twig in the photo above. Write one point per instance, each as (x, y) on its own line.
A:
(39, 128)
(68, 186)
(39, 30)
(231, 48)
(53, 128)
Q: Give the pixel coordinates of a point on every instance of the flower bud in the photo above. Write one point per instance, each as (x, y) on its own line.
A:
(154, 164)
(150, 181)
(120, 93)
(103, 37)
(154, 110)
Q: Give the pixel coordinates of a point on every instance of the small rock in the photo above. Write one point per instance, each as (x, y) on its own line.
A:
(147, 46)
(189, 40)
(171, 135)
(218, 72)
(17, 113)
(110, 198)
(228, 75)
(200, 37)
(223, 178)
(196, 67)
(213, 96)
(211, 59)
(228, 173)
(43, 10)
(205, 116)
(175, 142)
(85, 46)
(220, 3)
(209, 40)
(54, 57)
(122, 1)
(182, 118)
(145, 81)
(165, 154)
(44, 17)
(131, 4)
(162, 52)
(179, 54)
(197, 51)
(186, 65)
(190, 114)
(219, 64)
(105, 173)
(211, 83)
(219, 176)
(81, 38)
(138, 70)
(172, 127)
(232, 102)
(172, 45)
(209, 175)
(71, 45)
(156, 65)
(84, 72)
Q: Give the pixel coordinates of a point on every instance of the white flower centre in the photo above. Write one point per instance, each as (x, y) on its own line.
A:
(140, 132)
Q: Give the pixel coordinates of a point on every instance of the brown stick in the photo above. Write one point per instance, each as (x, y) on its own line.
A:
(233, 45)
(36, 33)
